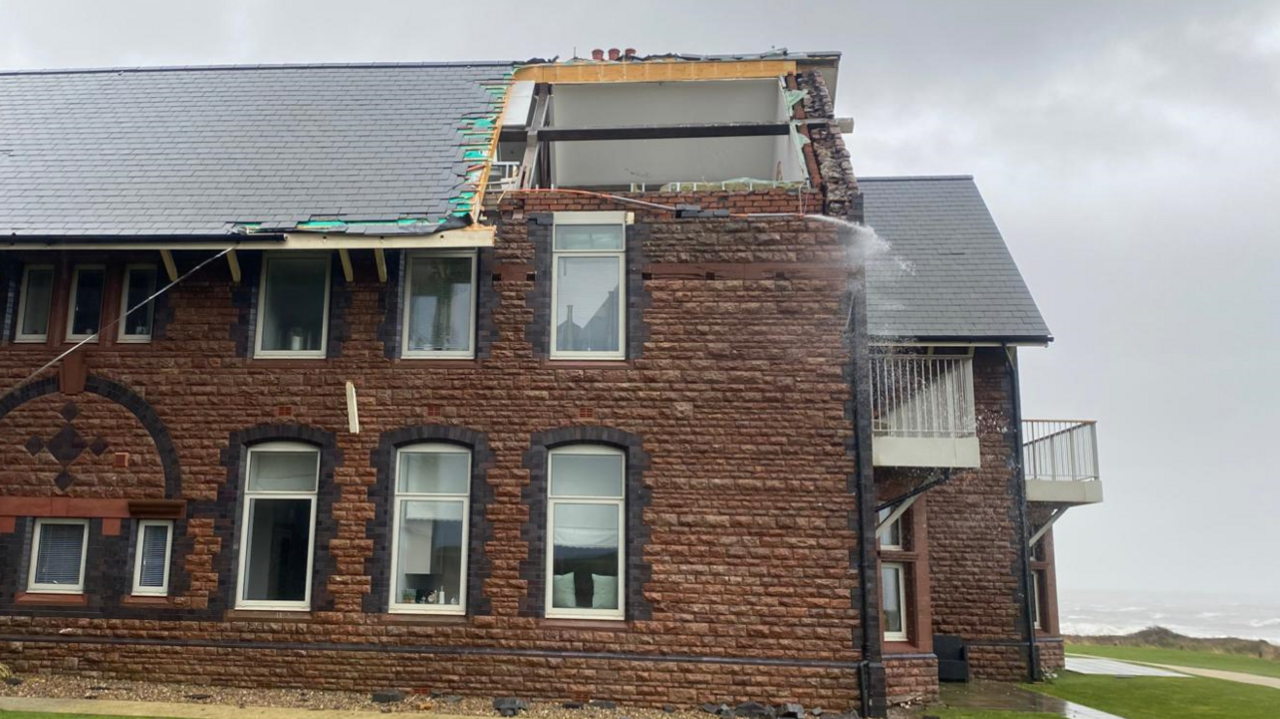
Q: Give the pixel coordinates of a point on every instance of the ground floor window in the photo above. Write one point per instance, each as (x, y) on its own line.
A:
(904, 594)
(429, 546)
(278, 526)
(59, 546)
(585, 523)
(894, 602)
(151, 557)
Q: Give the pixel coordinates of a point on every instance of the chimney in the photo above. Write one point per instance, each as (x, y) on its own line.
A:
(597, 54)
(629, 53)
(614, 54)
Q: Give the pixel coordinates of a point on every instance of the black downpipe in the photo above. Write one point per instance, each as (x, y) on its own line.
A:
(871, 679)
(1024, 533)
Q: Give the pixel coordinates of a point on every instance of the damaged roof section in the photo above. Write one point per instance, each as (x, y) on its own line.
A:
(382, 148)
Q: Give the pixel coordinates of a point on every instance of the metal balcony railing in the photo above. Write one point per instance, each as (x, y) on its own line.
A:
(503, 176)
(1060, 450)
(922, 397)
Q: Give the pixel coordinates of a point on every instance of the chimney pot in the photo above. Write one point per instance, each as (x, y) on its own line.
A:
(614, 53)
(629, 53)
(597, 54)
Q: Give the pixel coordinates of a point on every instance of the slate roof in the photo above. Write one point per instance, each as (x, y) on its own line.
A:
(192, 151)
(946, 272)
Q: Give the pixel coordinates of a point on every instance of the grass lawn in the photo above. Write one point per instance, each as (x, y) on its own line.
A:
(984, 714)
(1166, 698)
(1182, 658)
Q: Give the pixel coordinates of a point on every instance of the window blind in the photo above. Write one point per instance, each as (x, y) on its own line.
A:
(59, 553)
(154, 547)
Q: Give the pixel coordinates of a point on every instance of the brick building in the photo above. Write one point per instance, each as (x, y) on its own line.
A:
(560, 380)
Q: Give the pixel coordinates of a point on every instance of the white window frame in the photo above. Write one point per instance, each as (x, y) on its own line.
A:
(247, 498)
(123, 337)
(260, 319)
(590, 218)
(18, 335)
(551, 611)
(71, 302)
(1035, 593)
(163, 589)
(470, 353)
(78, 588)
(901, 573)
(897, 523)
(393, 604)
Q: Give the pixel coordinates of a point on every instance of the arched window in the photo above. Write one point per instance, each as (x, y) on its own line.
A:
(585, 523)
(278, 523)
(429, 545)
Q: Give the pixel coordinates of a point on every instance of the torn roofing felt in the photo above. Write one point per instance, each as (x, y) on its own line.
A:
(947, 273)
(387, 148)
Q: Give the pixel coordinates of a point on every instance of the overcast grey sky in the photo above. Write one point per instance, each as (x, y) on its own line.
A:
(1129, 151)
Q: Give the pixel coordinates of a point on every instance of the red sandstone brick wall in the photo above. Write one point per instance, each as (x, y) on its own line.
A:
(973, 540)
(912, 680)
(739, 401)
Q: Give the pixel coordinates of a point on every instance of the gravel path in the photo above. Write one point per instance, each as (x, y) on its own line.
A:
(67, 687)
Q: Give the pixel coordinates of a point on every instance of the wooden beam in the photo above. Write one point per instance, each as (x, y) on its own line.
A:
(465, 237)
(897, 513)
(170, 267)
(664, 132)
(353, 411)
(1044, 528)
(655, 71)
(381, 258)
(345, 256)
(234, 263)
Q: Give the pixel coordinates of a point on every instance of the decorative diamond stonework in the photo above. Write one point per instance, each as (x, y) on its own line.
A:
(66, 445)
(69, 411)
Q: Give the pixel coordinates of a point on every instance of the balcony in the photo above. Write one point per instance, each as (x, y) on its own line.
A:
(922, 412)
(1060, 461)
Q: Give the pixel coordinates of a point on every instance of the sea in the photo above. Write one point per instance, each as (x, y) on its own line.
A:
(1193, 615)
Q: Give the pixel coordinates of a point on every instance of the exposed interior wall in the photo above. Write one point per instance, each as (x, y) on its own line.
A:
(654, 162)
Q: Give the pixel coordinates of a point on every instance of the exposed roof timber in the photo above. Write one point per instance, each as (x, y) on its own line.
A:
(655, 71)
(657, 132)
(474, 236)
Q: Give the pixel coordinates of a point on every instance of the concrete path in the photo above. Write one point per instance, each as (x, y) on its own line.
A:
(178, 710)
(1273, 682)
(1111, 667)
(1094, 665)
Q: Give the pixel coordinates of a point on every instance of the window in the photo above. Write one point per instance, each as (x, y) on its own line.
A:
(34, 301)
(894, 606)
(278, 523)
(84, 311)
(440, 305)
(1038, 598)
(151, 557)
(293, 314)
(891, 536)
(588, 292)
(584, 524)
(139, 284)
(429, 547)
(60, 547)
